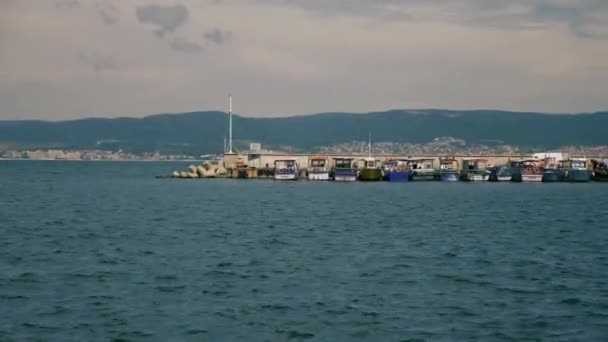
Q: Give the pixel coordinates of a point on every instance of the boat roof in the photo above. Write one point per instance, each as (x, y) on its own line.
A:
(369, 159)
(476, 159)
(285, 159)
(317, 157)
(343, 158)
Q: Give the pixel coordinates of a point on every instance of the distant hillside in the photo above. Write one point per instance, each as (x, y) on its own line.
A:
(204, 132)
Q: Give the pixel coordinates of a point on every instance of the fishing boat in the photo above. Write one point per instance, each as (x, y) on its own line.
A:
(448, 169)
(475, 170)
(531, 171)
(503, 173)
(422, 169)
(343, 170)
(286, 169)
(318, 168)
(600, 170)
(551, 170)
(371, 170)
(575, 170)
(397, 170)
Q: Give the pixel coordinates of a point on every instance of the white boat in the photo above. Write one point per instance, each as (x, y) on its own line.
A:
(286, 169)
(318, 168)
(531, 171)
(475, 170)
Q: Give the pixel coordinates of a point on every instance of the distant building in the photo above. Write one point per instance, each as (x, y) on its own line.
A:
(255, 147)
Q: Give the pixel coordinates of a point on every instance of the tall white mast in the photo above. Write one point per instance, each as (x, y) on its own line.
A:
(230, 126)
(369, 145)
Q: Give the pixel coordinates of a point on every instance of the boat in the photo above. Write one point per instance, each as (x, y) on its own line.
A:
(551, 170)
(448, 169)
(318, 168)
(531, 171)
(422, 169)
(600, 170)
(343, 170)
(397, 170)
(370, 171)
(575, 170)
(286, 169)
(502, 173)
(475, 170)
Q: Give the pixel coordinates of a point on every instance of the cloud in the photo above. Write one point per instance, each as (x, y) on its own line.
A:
(97, 62)
(579, 16)
(166, 18)
(107, 12)
(183, 45)
(218, 36)
(67, 3)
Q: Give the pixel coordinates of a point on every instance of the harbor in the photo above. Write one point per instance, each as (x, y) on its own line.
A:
(540, 167)
(257, 163)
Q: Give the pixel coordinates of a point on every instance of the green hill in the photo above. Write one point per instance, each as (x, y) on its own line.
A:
(204, 132)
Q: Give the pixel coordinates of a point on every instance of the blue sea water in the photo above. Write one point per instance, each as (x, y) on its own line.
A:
(98, 251)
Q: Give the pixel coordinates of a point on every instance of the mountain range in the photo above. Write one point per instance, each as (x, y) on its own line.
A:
(204, 132)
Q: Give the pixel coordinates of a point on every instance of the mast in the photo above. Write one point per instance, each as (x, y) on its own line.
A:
(230, 125)
(369, 145)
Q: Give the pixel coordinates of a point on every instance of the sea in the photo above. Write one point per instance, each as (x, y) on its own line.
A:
(105, 251)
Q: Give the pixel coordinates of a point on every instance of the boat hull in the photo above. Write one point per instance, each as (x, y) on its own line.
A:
(344, 175)
(423, 176)
(504, 178)
(286, 176)
(449, 176)
(576, 176)
(318, 176)
(600, 176)
(476, 177)
(370, 175)
(551, 176)
(399, 176)
(532, 177)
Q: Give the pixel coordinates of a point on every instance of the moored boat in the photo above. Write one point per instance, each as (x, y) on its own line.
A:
(503, 173)
(397, 170)
(343, 170)
(531, 171)
(371, 170)
(575, 170)
(448, 169)
(422, 169)
(600, 171)
(318, 168)
(286, 169)
(551, 171)
(475, 170)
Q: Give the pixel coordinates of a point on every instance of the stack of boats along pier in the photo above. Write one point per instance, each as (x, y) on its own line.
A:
(446, 169)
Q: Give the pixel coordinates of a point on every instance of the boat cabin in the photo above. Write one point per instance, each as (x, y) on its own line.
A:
(370, 163)
(448, 163)
(574, 163)
(474, 164)
(343, 163)
(420, 164)
(285, 165)
(318, 163)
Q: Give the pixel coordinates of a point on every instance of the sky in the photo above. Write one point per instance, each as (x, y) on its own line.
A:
(65, 59)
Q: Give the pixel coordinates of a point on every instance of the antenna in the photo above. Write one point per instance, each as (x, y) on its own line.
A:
(230, 125)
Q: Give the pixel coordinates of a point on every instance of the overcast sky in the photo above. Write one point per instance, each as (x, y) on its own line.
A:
(63, 59)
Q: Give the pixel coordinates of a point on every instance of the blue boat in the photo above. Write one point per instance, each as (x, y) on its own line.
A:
(575, 170)
(343, 170)
(551, 172)
(397, 171)
(448, 169)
